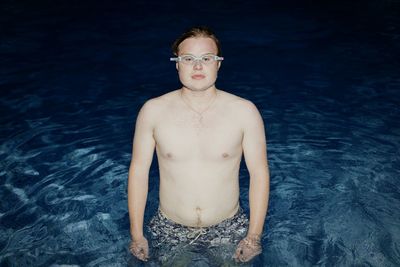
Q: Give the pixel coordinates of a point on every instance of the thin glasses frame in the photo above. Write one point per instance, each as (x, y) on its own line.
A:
(194, 59)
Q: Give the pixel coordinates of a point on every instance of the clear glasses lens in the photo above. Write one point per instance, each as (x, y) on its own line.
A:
(191, 60)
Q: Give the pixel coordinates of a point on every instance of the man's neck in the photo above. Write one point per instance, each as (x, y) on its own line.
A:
(199, 97)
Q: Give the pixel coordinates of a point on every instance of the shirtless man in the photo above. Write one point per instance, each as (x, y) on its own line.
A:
(199, 133)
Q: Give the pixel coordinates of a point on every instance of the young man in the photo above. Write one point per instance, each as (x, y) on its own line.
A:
(199, 133)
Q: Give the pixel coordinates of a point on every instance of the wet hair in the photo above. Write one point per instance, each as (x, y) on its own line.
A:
(198, 31)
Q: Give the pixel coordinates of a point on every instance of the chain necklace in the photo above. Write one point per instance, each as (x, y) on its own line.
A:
(199, 113)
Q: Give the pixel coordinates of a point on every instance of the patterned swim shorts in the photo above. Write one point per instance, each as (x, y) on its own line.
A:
(167, 236)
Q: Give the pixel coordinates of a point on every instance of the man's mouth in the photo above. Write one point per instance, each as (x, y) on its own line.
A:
(198, 76)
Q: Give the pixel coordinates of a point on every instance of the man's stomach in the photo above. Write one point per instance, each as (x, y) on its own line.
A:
(199, 205)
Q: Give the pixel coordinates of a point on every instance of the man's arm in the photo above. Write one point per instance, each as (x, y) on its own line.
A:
(255, 153)
(142, 155)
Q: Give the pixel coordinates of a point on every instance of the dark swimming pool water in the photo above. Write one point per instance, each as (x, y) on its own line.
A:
(325, 77)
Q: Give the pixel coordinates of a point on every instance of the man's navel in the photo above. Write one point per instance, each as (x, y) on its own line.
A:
(198, 212)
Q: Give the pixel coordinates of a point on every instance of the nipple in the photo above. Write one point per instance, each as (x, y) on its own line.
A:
(225, 155)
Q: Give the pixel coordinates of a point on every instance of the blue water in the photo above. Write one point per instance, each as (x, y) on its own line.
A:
(325, 77)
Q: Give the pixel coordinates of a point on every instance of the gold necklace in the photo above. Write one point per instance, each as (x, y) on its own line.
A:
(199, 113)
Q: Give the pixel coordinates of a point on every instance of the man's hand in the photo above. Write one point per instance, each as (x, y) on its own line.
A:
(140, 248)
(248, 248)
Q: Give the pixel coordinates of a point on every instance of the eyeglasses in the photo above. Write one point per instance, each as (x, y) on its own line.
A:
(191, 60)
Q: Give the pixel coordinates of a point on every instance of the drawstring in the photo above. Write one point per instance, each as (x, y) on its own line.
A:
(199, 232)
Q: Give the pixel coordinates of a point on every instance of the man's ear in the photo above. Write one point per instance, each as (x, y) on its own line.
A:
(177, 66)
(219, 64)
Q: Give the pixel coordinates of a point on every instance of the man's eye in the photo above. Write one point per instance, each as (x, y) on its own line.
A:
(207, 58)
(187, 59)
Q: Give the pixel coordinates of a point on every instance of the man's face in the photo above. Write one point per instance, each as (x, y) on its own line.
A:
(198, 77)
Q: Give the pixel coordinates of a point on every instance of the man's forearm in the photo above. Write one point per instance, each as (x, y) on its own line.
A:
(258, 200)
(137, 197)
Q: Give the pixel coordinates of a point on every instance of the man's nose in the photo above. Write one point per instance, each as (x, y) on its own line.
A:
(197, 65)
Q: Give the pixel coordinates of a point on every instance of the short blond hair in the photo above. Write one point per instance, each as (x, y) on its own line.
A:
(198, 31)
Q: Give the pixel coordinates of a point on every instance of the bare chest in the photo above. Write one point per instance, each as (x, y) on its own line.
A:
(187, 136)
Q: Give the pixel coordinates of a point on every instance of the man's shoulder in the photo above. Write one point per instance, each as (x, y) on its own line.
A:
(243, 111)
(159, 102)
(239, 104)
(153, 108)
